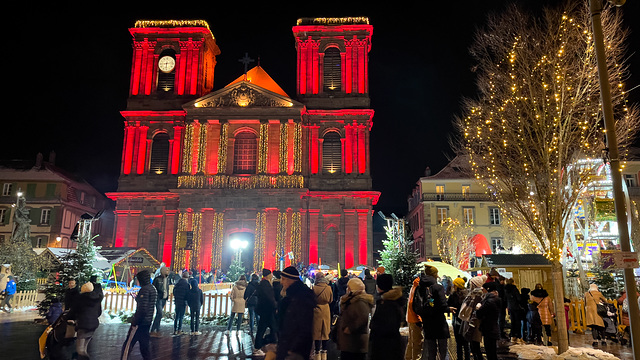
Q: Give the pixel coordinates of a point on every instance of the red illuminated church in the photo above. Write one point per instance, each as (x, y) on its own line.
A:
(202, 167)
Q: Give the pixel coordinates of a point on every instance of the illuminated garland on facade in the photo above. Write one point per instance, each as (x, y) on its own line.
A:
(202, 148)
(217, 235)
(296, 243)
(297, 147)
(281, 234)
(263, 147)
(222, 148)
(284, 149)
(171, 23)
(196, 227)
(241, 182)
(186, 152)
(335, 21)
(260, 236)
(179, 254)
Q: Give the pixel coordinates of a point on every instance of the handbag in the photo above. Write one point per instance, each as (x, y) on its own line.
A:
(466, 310)
(601, 309)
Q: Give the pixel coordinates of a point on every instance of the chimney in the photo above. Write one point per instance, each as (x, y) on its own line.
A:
(38, 161)
(52, 157)
(427, 171)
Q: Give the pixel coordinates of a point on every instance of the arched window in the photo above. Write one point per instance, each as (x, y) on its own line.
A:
(331, 153)
(166, 71)
(332, 72)
(245, 153)
(159, 161)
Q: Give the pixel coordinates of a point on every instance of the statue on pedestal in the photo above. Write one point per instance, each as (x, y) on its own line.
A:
(21, 222)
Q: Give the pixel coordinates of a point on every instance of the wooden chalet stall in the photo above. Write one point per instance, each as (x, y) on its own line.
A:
(527, 270)
(123, 263)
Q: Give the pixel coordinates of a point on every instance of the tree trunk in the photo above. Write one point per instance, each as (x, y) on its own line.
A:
(558, 299)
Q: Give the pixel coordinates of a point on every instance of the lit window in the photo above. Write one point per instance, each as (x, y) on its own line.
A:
(497, 245)
(159, 161)
(468, 215)
(439, 192)
(466, 190)
(332, 72)
(245, 152)
(442, 214)
(332, 153)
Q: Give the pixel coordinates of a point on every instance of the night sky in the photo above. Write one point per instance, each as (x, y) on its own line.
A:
(68, 74)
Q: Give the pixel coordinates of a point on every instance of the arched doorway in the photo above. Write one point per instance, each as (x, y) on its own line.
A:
(239, 243)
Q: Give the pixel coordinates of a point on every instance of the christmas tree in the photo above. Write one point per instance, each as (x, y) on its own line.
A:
(235, 270)
(398, 256)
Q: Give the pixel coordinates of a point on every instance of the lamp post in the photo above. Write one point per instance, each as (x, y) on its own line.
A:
(238, 245)
(616, 177)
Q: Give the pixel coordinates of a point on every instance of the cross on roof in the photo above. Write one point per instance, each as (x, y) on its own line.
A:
(246, 60)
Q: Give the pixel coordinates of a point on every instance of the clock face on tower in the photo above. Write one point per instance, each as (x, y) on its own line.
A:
(166, 64)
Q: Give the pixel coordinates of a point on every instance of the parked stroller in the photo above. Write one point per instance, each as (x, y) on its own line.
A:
(611, 324)
(55, 341)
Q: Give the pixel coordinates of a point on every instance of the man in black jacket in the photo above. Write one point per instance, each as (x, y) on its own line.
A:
(139, 330)
(161, 283)
(436, 329)
(488, 311)
(296, 317)
(180, 297)
(251, 300)
(85, 310)
(266, 309)
(70, 294)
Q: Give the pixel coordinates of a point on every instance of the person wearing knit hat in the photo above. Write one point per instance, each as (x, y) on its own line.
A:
(436, 330)
(455, 301)
(321, 316)
(592, 298)
(266, 272)
(85, 311)
(477, 281)
(384, 338)
(488, 311)
(431, 271)
(352, 336)
(295, 337)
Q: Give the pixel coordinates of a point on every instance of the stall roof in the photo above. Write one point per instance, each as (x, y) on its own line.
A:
(135, 257)
(511, 260)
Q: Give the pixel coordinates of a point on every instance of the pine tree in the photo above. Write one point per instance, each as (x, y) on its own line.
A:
(398, 256)
(235, 270)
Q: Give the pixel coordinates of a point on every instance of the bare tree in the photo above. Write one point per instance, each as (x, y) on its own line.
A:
(537, 120)
(454, 242)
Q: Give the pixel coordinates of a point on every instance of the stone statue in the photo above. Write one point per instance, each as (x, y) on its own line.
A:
(21, 222)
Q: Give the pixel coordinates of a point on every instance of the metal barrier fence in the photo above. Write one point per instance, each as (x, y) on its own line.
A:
(577, 316)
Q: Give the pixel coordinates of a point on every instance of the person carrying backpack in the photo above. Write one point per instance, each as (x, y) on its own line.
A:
(414, 343)
(430, 303)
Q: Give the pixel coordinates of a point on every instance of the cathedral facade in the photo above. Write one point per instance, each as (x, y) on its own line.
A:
(203, 167)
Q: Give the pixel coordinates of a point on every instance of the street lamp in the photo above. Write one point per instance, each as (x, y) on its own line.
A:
(238, 245)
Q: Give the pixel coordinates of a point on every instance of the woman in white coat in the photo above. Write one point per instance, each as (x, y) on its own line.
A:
(237, 299)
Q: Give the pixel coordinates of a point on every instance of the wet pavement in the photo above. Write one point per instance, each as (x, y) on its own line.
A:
(19, 334)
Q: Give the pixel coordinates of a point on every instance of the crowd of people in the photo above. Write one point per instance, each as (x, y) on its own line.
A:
(295, 315)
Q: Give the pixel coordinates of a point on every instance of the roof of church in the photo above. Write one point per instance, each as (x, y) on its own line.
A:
(259, 77)
(334, 21)
(458, 168)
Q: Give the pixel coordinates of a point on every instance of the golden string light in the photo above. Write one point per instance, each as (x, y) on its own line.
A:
(296, 236)
(222, 148)
(297, 147)
(188, 146)
(263, 147)
(217, 236)
(240, 182)
(259, 242)
(284, 148)
(202, 148)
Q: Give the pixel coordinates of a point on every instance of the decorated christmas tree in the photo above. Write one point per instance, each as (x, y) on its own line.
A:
(398, 256)
(235, 270)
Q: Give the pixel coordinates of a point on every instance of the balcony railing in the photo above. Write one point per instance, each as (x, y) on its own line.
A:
(456, 197)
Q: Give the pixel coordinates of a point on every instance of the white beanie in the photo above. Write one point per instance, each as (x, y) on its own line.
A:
(593, 287)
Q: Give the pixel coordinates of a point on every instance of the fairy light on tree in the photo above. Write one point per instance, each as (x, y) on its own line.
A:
(538, 116)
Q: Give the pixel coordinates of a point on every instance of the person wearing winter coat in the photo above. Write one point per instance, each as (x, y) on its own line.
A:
(251, 300)
(352, 330)
(70, 294)
(9, 291)
(277, 286)
(321, 315)
(195, 299)
(369, 282)
(591, 300)
(524, 303)
(266, 309)
(454, 302)
(534, 321)
(85, 311)
(436, 329)
(470, 329)
(384, 337)
(180, 290)
(161, 283)
(142, 318)
(296, 317)
(514, 306)
(238, 302)
(488, 311)
(414, 342)
(55, 310)
(546, 311)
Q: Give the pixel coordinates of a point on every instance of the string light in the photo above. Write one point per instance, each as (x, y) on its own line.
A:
(240, 182)
(217, 236)
(260, 236)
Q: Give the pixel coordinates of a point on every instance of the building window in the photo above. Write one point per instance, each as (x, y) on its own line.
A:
(45, 216)
(41, 242)
(466, 190)
(442, 214)
(439, 192)
(332, 71)
(331, 153)
(159, 154)
(3, 215)
(6, 189)
(468, 215)
(494, 216)
(496, 245)
(245, 152)
(631, 180)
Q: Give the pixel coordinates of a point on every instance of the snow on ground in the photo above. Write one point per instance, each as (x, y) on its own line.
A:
(536, 352)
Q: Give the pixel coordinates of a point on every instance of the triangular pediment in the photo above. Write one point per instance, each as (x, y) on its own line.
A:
(241, 95)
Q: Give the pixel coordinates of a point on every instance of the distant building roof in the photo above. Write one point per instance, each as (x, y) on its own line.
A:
(259, 77)
(510, 260)
(458, 168)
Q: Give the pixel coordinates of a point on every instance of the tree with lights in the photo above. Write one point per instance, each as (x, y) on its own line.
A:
(454, 242)
(398, 256)
(536, 124)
